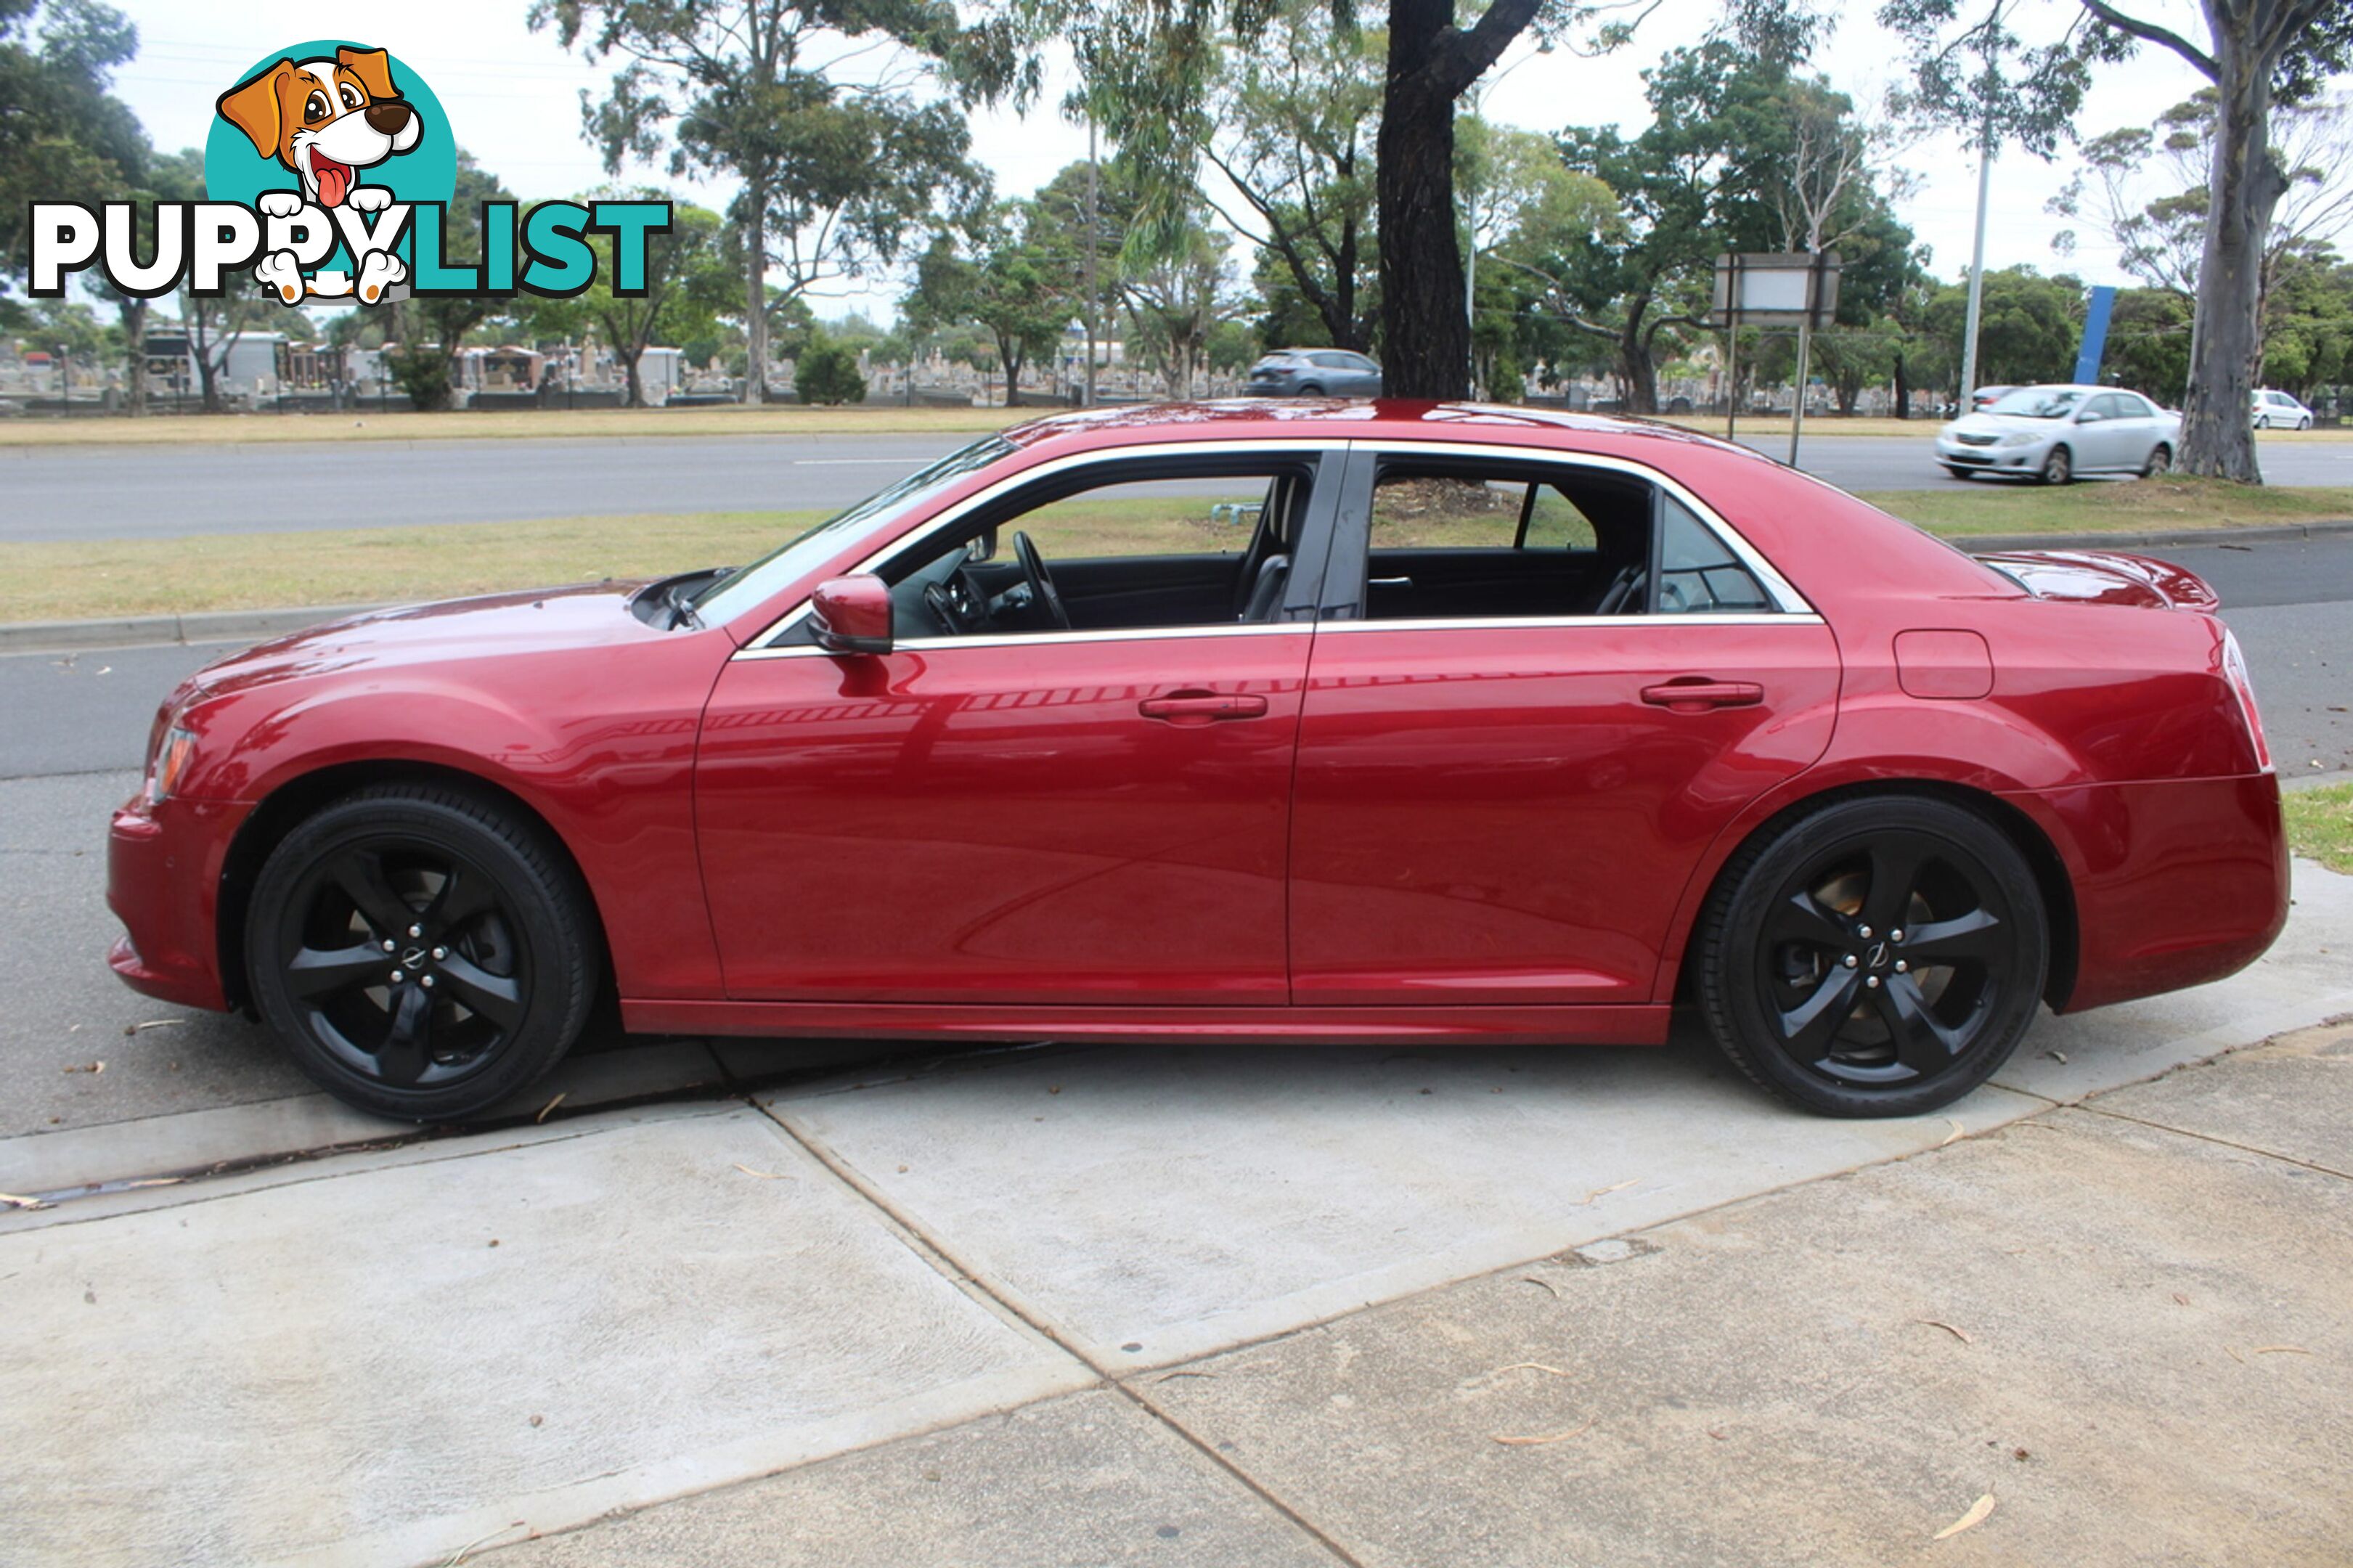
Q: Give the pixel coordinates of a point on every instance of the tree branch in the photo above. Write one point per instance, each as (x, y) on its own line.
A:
(2152, 33)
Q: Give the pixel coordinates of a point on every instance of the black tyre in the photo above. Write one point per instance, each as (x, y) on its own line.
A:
(2059, 468)
(1958, 471)
(2160, 462)
(422, 954)
(1879, 957)
(1310, 390)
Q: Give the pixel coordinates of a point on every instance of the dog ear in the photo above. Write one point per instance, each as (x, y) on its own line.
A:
(373, 66)
(254, 108)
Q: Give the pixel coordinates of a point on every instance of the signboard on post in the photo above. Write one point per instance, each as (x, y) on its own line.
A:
(1764, 288)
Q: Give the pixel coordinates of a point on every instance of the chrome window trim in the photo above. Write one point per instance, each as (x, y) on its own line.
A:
(1022, 639)
(763, 644)
(1523, 623)
(1787, 596)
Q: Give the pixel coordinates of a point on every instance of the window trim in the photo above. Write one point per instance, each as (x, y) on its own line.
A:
(1315, 530)
(1792, 606)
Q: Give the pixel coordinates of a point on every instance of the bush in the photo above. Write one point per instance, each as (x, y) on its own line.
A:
(422, 372)
(828, 372)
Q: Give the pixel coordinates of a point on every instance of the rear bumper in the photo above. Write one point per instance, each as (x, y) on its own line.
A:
(163, 866)
(2177, 883)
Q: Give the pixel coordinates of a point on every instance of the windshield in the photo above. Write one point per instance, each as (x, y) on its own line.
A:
(746, 586)
(2038, 403)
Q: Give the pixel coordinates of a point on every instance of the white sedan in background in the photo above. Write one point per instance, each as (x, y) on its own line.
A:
(2277, 410)
(2054, 432)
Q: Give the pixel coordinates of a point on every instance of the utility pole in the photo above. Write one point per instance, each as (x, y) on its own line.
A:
(1094, 239)
(1976, 268)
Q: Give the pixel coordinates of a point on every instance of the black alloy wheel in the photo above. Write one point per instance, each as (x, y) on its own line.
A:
(1881, 957)
(421, 955)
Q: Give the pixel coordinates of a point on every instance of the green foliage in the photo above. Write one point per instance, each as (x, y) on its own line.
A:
(2308, 324)
(422, 371)
(827, 372)
(63, 134)
(2028, 329)
(1971, 71)
(1013, 285)
(2149, 342)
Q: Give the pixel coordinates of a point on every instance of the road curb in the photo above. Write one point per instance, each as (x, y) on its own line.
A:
(149, 631)
(253, 626)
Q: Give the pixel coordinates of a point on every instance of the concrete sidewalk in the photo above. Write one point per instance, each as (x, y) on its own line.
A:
(1236, 1306)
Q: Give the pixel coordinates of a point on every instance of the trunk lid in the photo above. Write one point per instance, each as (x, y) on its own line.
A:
(2105, 577)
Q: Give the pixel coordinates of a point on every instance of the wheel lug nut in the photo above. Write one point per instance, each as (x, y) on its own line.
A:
(426, 982)
(1852, 961)
(416, 931)
(389, 946)
(1864, 932)
(1902, 967)
(397, 977)
(440, 952)
(1896, 936)
(1873, 983)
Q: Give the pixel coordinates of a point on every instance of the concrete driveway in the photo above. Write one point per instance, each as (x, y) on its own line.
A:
(1099, 1305)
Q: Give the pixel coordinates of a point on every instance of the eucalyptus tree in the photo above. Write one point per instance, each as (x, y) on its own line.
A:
(2259, 53)
(839, 168)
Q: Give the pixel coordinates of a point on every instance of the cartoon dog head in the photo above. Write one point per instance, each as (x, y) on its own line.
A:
(325, 119)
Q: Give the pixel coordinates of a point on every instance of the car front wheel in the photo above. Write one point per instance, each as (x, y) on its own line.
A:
(1879, 957)
(2059, 468)
(2161, 460)
(422, 951)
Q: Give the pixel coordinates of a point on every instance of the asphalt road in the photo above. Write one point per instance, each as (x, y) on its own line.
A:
(130, 492)
(72, 728)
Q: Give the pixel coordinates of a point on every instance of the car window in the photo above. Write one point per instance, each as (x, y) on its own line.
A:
(2103, 406)
(1358, 362)
(1191, 544)
(2038, 403)
(2132, 405)
(1697, 574)
(1452, 541)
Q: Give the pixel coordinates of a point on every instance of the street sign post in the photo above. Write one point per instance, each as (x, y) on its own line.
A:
(1773, 289)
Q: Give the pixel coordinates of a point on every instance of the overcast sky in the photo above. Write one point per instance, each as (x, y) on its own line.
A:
(513, 96)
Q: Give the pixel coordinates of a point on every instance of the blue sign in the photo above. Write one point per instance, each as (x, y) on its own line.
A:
(2095, 337)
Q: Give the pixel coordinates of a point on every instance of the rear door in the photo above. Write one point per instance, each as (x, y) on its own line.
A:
(1507, 808)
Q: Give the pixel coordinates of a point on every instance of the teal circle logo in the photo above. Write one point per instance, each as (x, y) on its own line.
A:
(269, 133)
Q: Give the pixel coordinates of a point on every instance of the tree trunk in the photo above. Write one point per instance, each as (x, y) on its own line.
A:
(1902, 387)
(1425, 340)
(133, 314)
(1636, 374)
(2217, 435)
(755, 292)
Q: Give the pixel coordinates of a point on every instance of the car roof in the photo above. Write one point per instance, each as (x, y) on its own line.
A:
(1340, 418)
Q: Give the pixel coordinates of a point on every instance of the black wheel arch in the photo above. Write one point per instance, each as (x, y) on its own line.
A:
(2051, 878)
(298, 799)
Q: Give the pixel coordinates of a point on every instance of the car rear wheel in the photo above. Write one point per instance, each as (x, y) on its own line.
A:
(421, 951)
(2059, 468)
(2160, 462)
(1879, 957)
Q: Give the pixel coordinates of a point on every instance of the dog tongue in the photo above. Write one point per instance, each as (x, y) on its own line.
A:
(334, 179)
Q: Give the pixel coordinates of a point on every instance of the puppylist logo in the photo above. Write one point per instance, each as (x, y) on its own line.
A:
(329, 172)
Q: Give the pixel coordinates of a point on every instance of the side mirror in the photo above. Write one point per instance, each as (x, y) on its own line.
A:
(851, 615)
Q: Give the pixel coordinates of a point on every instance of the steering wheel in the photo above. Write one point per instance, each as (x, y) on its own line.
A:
(1041, 587)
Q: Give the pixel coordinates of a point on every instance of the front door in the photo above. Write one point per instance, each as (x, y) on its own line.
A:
(1506, 778)
(1006, 809)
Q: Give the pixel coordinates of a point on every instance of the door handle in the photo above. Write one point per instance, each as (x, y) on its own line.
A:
(1201, 707)
(1690, 694)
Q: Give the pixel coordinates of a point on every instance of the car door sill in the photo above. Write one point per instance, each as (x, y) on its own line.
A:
(1640, 1023)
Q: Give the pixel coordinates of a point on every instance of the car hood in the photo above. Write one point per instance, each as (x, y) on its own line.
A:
(2001, 424)
(541, 620)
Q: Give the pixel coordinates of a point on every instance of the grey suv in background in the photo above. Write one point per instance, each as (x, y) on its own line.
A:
(1315, 373)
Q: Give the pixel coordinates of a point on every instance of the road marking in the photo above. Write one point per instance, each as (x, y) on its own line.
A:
(845, 462)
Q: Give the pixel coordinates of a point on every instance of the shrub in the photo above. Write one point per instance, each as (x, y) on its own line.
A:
(828, 372)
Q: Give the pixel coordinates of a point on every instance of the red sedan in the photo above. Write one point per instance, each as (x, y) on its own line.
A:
(1301, 720)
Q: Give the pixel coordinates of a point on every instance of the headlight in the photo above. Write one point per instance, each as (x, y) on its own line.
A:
(171, 764)
(2020, 439)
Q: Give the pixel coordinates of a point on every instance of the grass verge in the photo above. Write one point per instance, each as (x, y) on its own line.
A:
(2134, 506)
(80, 579)
(2320, 825)
(585, 424)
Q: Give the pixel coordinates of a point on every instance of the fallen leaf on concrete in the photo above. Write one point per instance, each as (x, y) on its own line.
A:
(2059, 1057)
(14, 1201)
(1956, 1132)
(1528, 1367)
(2279, 1350)
(1165, 1377)
(2234, 1355)
(1532, 1279)
(763, 1175)
(2180, 1298)
(1978, 1514)
(1539, 1442)
(154, 1024)
(550, 1106)
(1605, 1192)
(89, 1067)
(1933, 1323)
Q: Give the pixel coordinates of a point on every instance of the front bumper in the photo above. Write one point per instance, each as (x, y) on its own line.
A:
(1991, 460)
(163, 864)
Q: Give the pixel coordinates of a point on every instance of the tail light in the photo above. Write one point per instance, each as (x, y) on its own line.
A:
(2234, 666)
